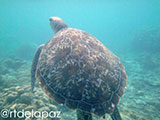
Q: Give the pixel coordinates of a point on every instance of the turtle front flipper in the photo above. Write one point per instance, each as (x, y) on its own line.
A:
(34, 66)
(82, 115)
(116, 115)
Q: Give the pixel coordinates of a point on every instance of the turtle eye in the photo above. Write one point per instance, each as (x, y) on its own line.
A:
(50, 19)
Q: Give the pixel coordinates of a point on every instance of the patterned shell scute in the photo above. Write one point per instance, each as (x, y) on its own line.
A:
(77, 70)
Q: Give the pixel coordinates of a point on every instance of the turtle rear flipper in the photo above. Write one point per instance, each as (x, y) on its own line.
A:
(116, 115)
(82, 115)
(34, 66)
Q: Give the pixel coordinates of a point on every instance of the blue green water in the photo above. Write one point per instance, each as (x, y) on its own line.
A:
(113, 22)
(130, 29)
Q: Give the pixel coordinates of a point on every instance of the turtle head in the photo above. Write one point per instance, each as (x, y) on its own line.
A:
(57, 24)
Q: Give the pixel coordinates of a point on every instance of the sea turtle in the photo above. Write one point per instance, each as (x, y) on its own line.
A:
(78, 71)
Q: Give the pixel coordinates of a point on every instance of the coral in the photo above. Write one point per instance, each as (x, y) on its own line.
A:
(147, 40)
(148, 62)
(24, 98)
(14, 63)
(26, 51)
(20, 97)
(3, 70)
(11, 97)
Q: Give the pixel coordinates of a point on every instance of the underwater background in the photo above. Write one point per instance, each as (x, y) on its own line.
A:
(130, 29)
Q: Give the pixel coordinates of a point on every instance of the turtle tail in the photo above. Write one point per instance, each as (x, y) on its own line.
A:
(116, 115)
(34, 66)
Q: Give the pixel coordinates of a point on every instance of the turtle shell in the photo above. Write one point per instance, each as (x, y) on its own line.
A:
(77, 70)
